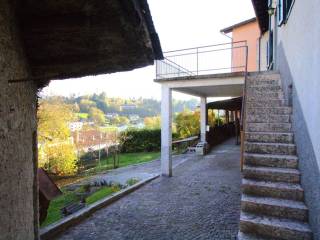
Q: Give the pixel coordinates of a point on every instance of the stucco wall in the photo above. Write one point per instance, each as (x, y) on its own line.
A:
(18, 201)
(298, 61)
(251, 33)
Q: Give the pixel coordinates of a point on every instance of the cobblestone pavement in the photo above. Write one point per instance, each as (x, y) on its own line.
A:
(201, 201)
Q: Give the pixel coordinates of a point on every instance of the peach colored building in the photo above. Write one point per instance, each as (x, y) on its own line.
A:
(245, 31)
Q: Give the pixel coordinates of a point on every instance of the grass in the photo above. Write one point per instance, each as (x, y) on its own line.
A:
(100, 194)
(54, 213)
(125, 159)
(82, 115)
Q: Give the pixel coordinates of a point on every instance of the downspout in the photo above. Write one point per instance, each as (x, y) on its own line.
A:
(224, 34)
(275, 39)
(259, 53)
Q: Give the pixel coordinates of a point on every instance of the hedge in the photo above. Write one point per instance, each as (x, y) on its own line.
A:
(140, 140)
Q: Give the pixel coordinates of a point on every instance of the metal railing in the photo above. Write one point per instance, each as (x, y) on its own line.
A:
(243, 112)
(204, 60)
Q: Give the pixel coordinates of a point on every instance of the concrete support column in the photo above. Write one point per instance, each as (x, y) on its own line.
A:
(166, 131)
(203, 118)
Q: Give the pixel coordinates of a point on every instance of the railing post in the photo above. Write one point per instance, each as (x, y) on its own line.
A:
(243, 111)
(197, 61)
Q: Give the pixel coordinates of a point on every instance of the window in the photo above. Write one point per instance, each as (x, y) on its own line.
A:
(284, 9)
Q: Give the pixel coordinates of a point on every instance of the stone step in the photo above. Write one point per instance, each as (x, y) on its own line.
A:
(289, 191)
(265, 103)
(269, 160)
(274, 227)
(270, 148)
(265, 95)
(253, 89)
(274, 207)
(263, 82)
(246, 236)
(269, 118)
(272, 174)
(269, 110)
(268, 127)
(269, 137)
(264, 75)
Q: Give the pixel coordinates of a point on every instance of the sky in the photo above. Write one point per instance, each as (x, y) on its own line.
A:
(180, 24)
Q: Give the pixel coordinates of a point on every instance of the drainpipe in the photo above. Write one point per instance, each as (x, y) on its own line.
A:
(259, 52)
(275, 40)
(224, 34)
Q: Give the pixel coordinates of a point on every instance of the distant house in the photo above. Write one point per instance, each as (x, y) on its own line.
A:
(134, 117)
(128, 107)
(112, 115)
(75, 126)
(93, 139)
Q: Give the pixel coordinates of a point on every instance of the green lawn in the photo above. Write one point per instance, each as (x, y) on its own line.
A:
(102, 193)
(54, 213)
(82, 115)
(125, 159)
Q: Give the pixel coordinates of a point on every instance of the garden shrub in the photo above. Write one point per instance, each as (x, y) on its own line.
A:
(140, 140)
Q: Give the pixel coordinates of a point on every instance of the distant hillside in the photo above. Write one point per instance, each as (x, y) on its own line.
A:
(123, 107)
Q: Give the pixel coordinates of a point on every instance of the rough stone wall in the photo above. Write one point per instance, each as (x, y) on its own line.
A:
(18, 199)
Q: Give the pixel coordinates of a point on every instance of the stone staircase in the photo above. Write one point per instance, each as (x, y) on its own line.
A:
(272, 202)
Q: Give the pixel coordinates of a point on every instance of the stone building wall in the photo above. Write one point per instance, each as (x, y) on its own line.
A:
(18, 199)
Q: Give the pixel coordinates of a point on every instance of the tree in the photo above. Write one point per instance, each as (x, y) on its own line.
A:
(86, 104)
(97, 116)
(152, 122)
(120, 120)
(211, 118)
(187, 123)
(57, 154)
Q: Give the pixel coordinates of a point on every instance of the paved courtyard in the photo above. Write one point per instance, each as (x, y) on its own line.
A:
(201, 201)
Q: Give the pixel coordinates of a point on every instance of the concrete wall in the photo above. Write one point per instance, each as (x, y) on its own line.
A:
(18, 199)
(249, 32)
(298, 60)
(262, 52)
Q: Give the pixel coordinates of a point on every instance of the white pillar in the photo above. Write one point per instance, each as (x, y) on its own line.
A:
(166, 131)
(203, 118)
